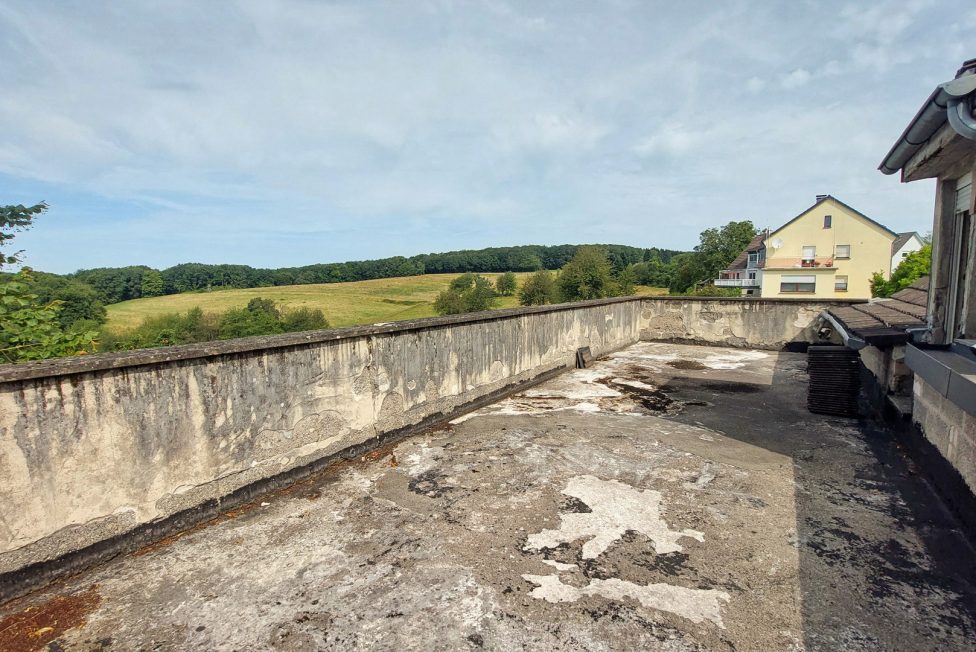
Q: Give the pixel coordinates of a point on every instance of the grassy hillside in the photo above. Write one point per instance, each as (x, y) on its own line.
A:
(344, 304)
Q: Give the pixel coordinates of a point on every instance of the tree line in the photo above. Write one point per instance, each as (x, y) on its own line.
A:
(115, 284)
(589, 274)
(47, 315)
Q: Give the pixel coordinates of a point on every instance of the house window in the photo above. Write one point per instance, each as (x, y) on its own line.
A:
(809, 257)
(840, 283)
(790, 283)
(827, 221)
(842, 251)
(753, 260)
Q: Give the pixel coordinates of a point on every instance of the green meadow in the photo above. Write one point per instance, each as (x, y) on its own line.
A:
(344, 304)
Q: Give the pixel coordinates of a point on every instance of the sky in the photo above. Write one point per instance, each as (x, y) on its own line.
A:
(284, 133)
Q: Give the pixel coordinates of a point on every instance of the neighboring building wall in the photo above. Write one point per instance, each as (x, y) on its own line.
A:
(95, 447)
(870, 251)
(914, 244)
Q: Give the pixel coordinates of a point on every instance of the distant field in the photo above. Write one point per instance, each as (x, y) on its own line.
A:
(344, 304)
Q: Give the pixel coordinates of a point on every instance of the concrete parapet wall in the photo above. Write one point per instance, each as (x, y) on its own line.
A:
(87, 456)
(92, 449)
(754, 323)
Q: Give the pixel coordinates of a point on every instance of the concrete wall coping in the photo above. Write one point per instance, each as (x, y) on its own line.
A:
(140, 357)
(950, 374)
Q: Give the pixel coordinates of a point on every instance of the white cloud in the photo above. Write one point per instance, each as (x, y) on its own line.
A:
(442, 125)
(796, 78)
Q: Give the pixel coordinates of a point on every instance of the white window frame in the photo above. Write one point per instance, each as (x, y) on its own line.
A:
(837, 252)
(812, 258)
(808, 283)
(837, 283)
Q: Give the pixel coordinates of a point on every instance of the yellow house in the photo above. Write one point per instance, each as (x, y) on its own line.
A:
(828, 250)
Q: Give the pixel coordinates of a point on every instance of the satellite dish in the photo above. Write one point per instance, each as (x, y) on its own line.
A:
(776, 243)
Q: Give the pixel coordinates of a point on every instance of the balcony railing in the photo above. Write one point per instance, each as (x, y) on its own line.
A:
(798, 263)
(737, 282)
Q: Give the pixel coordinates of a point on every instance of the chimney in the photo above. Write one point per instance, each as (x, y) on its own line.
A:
(820, 198)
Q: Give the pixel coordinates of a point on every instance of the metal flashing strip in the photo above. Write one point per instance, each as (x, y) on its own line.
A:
(949, 373)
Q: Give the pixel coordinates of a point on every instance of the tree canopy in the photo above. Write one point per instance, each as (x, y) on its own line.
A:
(716, 249)
(539, 289)
(466, 293)
(589, 275)
(506, 284)
(912, 267)
(31, 327)
(14, 219)
(115, 284)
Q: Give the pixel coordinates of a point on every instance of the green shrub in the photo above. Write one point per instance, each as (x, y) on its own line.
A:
(506, 284)
(539, 289)
(466, 293)
(259, 317)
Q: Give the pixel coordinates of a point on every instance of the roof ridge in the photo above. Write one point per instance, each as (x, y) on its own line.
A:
(848, 207)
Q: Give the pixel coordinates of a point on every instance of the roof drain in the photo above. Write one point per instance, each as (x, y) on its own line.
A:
(850, 341)
(961, 116)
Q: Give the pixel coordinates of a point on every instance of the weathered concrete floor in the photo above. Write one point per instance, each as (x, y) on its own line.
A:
(672, 497)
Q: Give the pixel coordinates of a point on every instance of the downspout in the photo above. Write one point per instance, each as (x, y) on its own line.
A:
(961, 116)
(852, 342)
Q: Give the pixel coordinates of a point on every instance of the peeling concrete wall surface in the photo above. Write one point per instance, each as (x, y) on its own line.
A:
(888, 367)
(950, 429)
(761, 324)
(87, 457)
(92, 448)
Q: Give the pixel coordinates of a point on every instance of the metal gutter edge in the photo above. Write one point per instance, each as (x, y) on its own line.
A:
(850, 341)
(948, 102)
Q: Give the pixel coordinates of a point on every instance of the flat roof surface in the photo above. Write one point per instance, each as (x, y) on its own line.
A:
(668, 498)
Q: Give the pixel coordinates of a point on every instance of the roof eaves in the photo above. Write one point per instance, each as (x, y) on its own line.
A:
(851, 209)
(928, 119)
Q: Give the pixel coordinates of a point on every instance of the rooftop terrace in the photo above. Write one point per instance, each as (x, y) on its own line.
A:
(668, 497)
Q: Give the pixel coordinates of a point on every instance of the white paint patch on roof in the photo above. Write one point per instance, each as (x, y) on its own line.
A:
(530, 407)
(696, 605)
(422, 458)
(635, 383)
(616, 508)
(559, 565)
(580, 384)
(732, 359)
(727, 359)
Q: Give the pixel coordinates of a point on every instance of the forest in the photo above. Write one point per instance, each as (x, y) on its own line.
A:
(115, 284)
